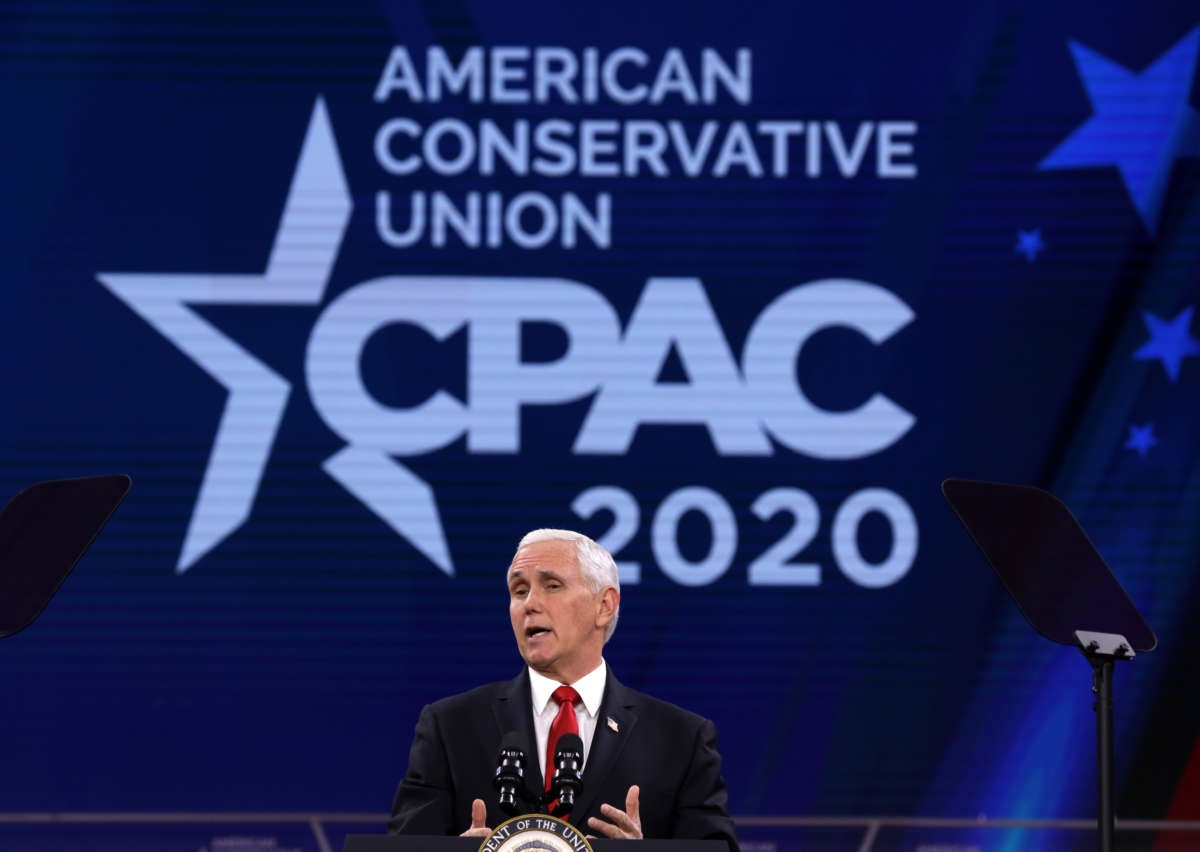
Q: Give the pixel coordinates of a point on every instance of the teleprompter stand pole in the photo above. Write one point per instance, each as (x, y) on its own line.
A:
(1102, 651)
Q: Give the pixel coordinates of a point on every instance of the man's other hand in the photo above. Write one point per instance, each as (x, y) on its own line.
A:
(478, 821)
(626, 824)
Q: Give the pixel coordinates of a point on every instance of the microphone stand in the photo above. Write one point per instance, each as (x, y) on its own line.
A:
(509, 782)
(567, 782)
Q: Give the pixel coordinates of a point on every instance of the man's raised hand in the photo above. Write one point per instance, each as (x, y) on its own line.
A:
(478, 821)
(626, 824)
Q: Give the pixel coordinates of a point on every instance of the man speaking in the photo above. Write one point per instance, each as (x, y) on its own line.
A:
(650, 769)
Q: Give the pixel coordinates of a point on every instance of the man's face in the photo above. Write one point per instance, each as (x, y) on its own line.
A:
(555, 617)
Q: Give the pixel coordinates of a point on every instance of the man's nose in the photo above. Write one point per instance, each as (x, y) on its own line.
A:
(533, 601)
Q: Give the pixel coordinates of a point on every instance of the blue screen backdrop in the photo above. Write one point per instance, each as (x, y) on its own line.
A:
(360, 293)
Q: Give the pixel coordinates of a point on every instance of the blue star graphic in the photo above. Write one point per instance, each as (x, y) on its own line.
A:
(1030, 244)
(1141, 124)
(1141, 438)
(1170, 341)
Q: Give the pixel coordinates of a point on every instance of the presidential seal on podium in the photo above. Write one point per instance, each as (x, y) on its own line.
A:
(535, 833)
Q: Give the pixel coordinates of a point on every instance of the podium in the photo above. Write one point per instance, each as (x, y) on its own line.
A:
(400, 843)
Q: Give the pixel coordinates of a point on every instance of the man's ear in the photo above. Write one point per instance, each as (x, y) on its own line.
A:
(610, 599)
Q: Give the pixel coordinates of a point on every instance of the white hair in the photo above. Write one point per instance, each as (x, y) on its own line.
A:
(596, 564)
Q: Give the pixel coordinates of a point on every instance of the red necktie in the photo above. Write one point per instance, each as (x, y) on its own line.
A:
(564, 723)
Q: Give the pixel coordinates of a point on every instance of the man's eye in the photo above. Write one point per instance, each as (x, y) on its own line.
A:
(516, 593)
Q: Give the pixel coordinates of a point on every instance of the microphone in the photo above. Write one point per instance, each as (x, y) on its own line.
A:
(510, 772)
(568, 776)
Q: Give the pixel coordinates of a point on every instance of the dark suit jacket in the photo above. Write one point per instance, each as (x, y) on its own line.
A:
(669, 753)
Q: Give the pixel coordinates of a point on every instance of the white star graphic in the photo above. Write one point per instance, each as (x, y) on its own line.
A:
(306, 245)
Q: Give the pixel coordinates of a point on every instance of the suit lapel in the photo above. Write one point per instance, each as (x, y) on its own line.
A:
(513, 709)
(619, 706)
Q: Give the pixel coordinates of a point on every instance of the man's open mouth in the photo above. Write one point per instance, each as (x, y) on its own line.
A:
(531, 632)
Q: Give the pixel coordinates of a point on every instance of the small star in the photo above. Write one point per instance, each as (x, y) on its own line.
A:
(1142, 122)
(1030, 243)
(1169, 341)
(1141, 438)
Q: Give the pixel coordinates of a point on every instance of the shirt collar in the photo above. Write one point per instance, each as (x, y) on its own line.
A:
(590, 688)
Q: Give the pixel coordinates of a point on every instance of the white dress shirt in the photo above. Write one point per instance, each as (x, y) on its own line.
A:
(590, 688)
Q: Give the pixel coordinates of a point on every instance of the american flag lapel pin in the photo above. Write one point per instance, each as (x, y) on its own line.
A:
(612, 723)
